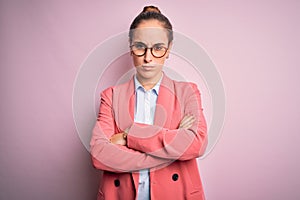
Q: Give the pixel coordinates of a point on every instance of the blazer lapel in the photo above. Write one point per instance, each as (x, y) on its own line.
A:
(123, 105)
(165, 104)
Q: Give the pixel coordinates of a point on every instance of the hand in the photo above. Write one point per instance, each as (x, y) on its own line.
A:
(187, 121)
(119, 139)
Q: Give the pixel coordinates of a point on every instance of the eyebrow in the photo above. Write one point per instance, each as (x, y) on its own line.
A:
(160, 43)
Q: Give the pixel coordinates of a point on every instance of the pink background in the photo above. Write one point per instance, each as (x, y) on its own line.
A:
(254, 44)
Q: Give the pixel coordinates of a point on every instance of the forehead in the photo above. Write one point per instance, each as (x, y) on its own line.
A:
(150, 35)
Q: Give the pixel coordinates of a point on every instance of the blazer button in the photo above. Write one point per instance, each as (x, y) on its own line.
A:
(175, 177)
(117, 183)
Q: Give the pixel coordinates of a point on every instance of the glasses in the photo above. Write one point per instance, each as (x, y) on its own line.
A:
(157, 50)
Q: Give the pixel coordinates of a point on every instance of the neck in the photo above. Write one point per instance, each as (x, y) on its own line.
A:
(148, 83)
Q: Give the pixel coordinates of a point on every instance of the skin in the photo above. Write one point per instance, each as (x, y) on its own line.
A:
(149, 68)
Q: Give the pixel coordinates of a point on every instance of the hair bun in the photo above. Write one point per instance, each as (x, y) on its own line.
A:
(151, 9)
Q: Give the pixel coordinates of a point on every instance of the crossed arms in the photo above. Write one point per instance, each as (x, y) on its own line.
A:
(147, 146)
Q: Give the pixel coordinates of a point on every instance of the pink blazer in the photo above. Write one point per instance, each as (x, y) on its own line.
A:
(170, 153)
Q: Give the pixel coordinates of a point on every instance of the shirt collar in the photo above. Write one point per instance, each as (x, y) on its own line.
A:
(138, 85)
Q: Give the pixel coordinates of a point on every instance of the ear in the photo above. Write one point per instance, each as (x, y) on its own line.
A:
(129, 43)
(170, 47)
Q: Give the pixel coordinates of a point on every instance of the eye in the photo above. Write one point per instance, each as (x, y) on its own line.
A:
(158, 48)
(139, 46)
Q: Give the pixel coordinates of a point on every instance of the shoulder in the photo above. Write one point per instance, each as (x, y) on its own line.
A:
(184, 87)
(109, 92)
(184, 84)
(178, 84)
(181, 89)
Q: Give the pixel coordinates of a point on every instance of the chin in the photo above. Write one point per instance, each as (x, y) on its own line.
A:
(147, 75)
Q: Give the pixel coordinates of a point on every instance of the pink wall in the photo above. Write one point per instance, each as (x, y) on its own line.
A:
(254, 44)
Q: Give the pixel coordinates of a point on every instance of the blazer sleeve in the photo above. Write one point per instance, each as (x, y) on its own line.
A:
(177, 144)
(111, 157)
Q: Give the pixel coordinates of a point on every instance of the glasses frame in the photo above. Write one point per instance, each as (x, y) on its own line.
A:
(151, 50)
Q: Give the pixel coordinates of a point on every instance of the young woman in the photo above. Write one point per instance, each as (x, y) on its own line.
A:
(151, 129)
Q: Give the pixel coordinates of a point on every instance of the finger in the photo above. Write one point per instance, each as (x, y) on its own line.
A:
(186, 118)
(118, 139)
(189, 125)
(187, 121)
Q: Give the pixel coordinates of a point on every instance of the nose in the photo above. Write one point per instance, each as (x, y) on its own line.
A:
(148, 56)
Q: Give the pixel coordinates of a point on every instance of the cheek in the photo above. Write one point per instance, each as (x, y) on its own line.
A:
(160, 60)
(137, 60)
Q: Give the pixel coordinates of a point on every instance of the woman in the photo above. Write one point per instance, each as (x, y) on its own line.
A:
(151, 129)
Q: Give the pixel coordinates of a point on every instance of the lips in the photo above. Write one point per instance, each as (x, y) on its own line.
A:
(148, 67)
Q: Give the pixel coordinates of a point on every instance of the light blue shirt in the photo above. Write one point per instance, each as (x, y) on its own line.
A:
(145, 105)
